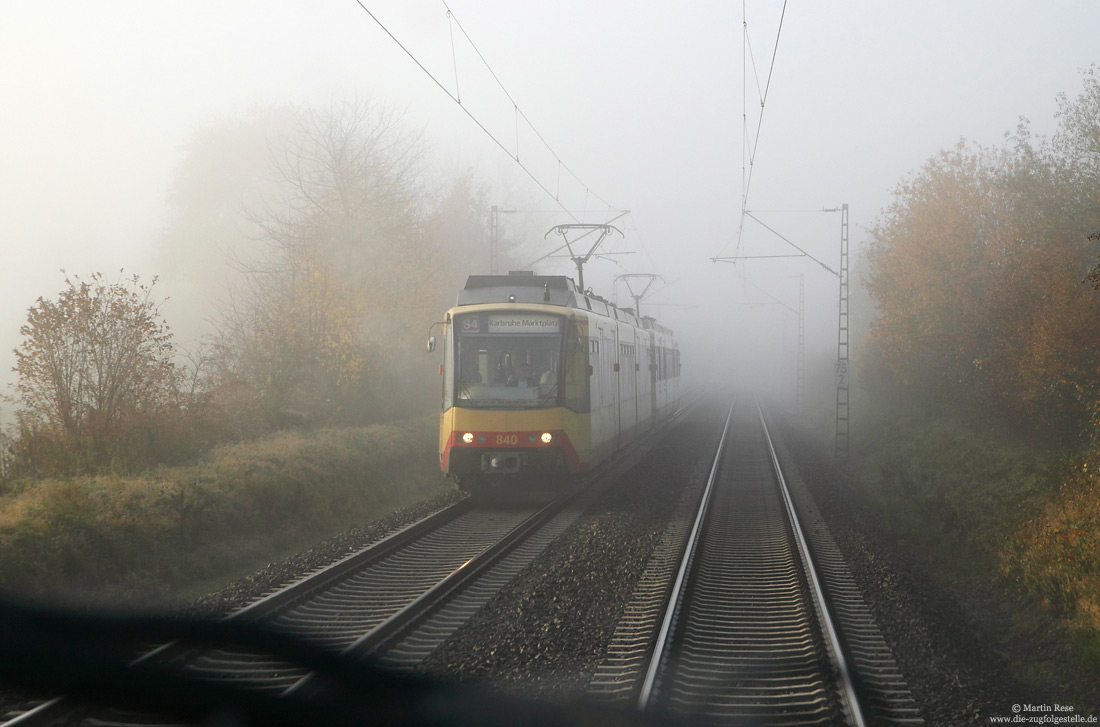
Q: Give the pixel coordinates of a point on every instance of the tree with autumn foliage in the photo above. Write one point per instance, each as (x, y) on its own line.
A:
(95, 374)
(1079, 139)
(359, 257)
(977, 269)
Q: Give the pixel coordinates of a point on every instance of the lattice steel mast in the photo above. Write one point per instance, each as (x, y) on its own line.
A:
(842, 431)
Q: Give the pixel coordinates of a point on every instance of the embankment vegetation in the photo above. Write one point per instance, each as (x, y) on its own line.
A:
(321, 248)
(982, 367)
(153, 537)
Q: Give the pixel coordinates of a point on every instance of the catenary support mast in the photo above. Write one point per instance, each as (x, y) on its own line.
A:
(842, 438)
(800, 396)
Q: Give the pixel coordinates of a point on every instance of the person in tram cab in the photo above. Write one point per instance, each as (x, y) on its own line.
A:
(505, 374)
(524, 376)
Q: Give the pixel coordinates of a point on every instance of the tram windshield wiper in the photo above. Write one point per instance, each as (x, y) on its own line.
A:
(91, 658)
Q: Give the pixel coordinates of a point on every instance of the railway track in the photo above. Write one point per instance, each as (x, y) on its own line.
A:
(393, 602)
(743, 637)
(763, 624)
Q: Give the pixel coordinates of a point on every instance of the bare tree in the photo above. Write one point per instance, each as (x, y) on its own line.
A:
(357, 255)
(294, 335)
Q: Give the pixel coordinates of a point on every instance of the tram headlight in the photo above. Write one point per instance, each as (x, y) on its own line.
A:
(546, 437)
(468, 437)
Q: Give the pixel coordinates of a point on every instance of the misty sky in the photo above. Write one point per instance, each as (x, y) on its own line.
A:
(642, 100)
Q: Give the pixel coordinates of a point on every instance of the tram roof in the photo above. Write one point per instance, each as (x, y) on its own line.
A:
(519, 287)
(526, 287)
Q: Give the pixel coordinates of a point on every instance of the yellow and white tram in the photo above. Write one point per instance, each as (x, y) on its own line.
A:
(541, 378)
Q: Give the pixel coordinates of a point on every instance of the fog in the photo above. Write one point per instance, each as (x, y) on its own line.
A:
(608, 106)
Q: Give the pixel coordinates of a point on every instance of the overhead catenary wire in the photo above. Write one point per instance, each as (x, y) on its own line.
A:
(454, 97)
(749, 151)
(556, 250)
(454, 58)
(519, 112)
(613, 213)
(775, 300)
(763, 101)
(784, 239)
(638, 237)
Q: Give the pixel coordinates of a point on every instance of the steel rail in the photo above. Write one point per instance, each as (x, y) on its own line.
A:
(855, 711)
(57, 708)
(385, 633)
(381, 549)
(679, 412)
(317, 580)
(847, 698)
(681, 575)
(42, 714)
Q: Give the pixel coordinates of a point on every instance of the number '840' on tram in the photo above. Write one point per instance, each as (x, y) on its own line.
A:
(540, 378)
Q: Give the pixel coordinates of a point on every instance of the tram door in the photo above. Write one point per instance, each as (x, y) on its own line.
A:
(627, 386)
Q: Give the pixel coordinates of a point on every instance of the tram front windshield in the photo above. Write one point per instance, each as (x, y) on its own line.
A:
(507, 360)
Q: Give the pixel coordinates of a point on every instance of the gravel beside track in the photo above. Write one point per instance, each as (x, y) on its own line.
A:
(545, 633)
(275, 576)
(950, 644)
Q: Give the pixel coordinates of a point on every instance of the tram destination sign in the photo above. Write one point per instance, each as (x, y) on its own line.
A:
(513, 323)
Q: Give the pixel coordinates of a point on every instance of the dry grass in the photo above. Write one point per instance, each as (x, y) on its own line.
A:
(149, 538)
